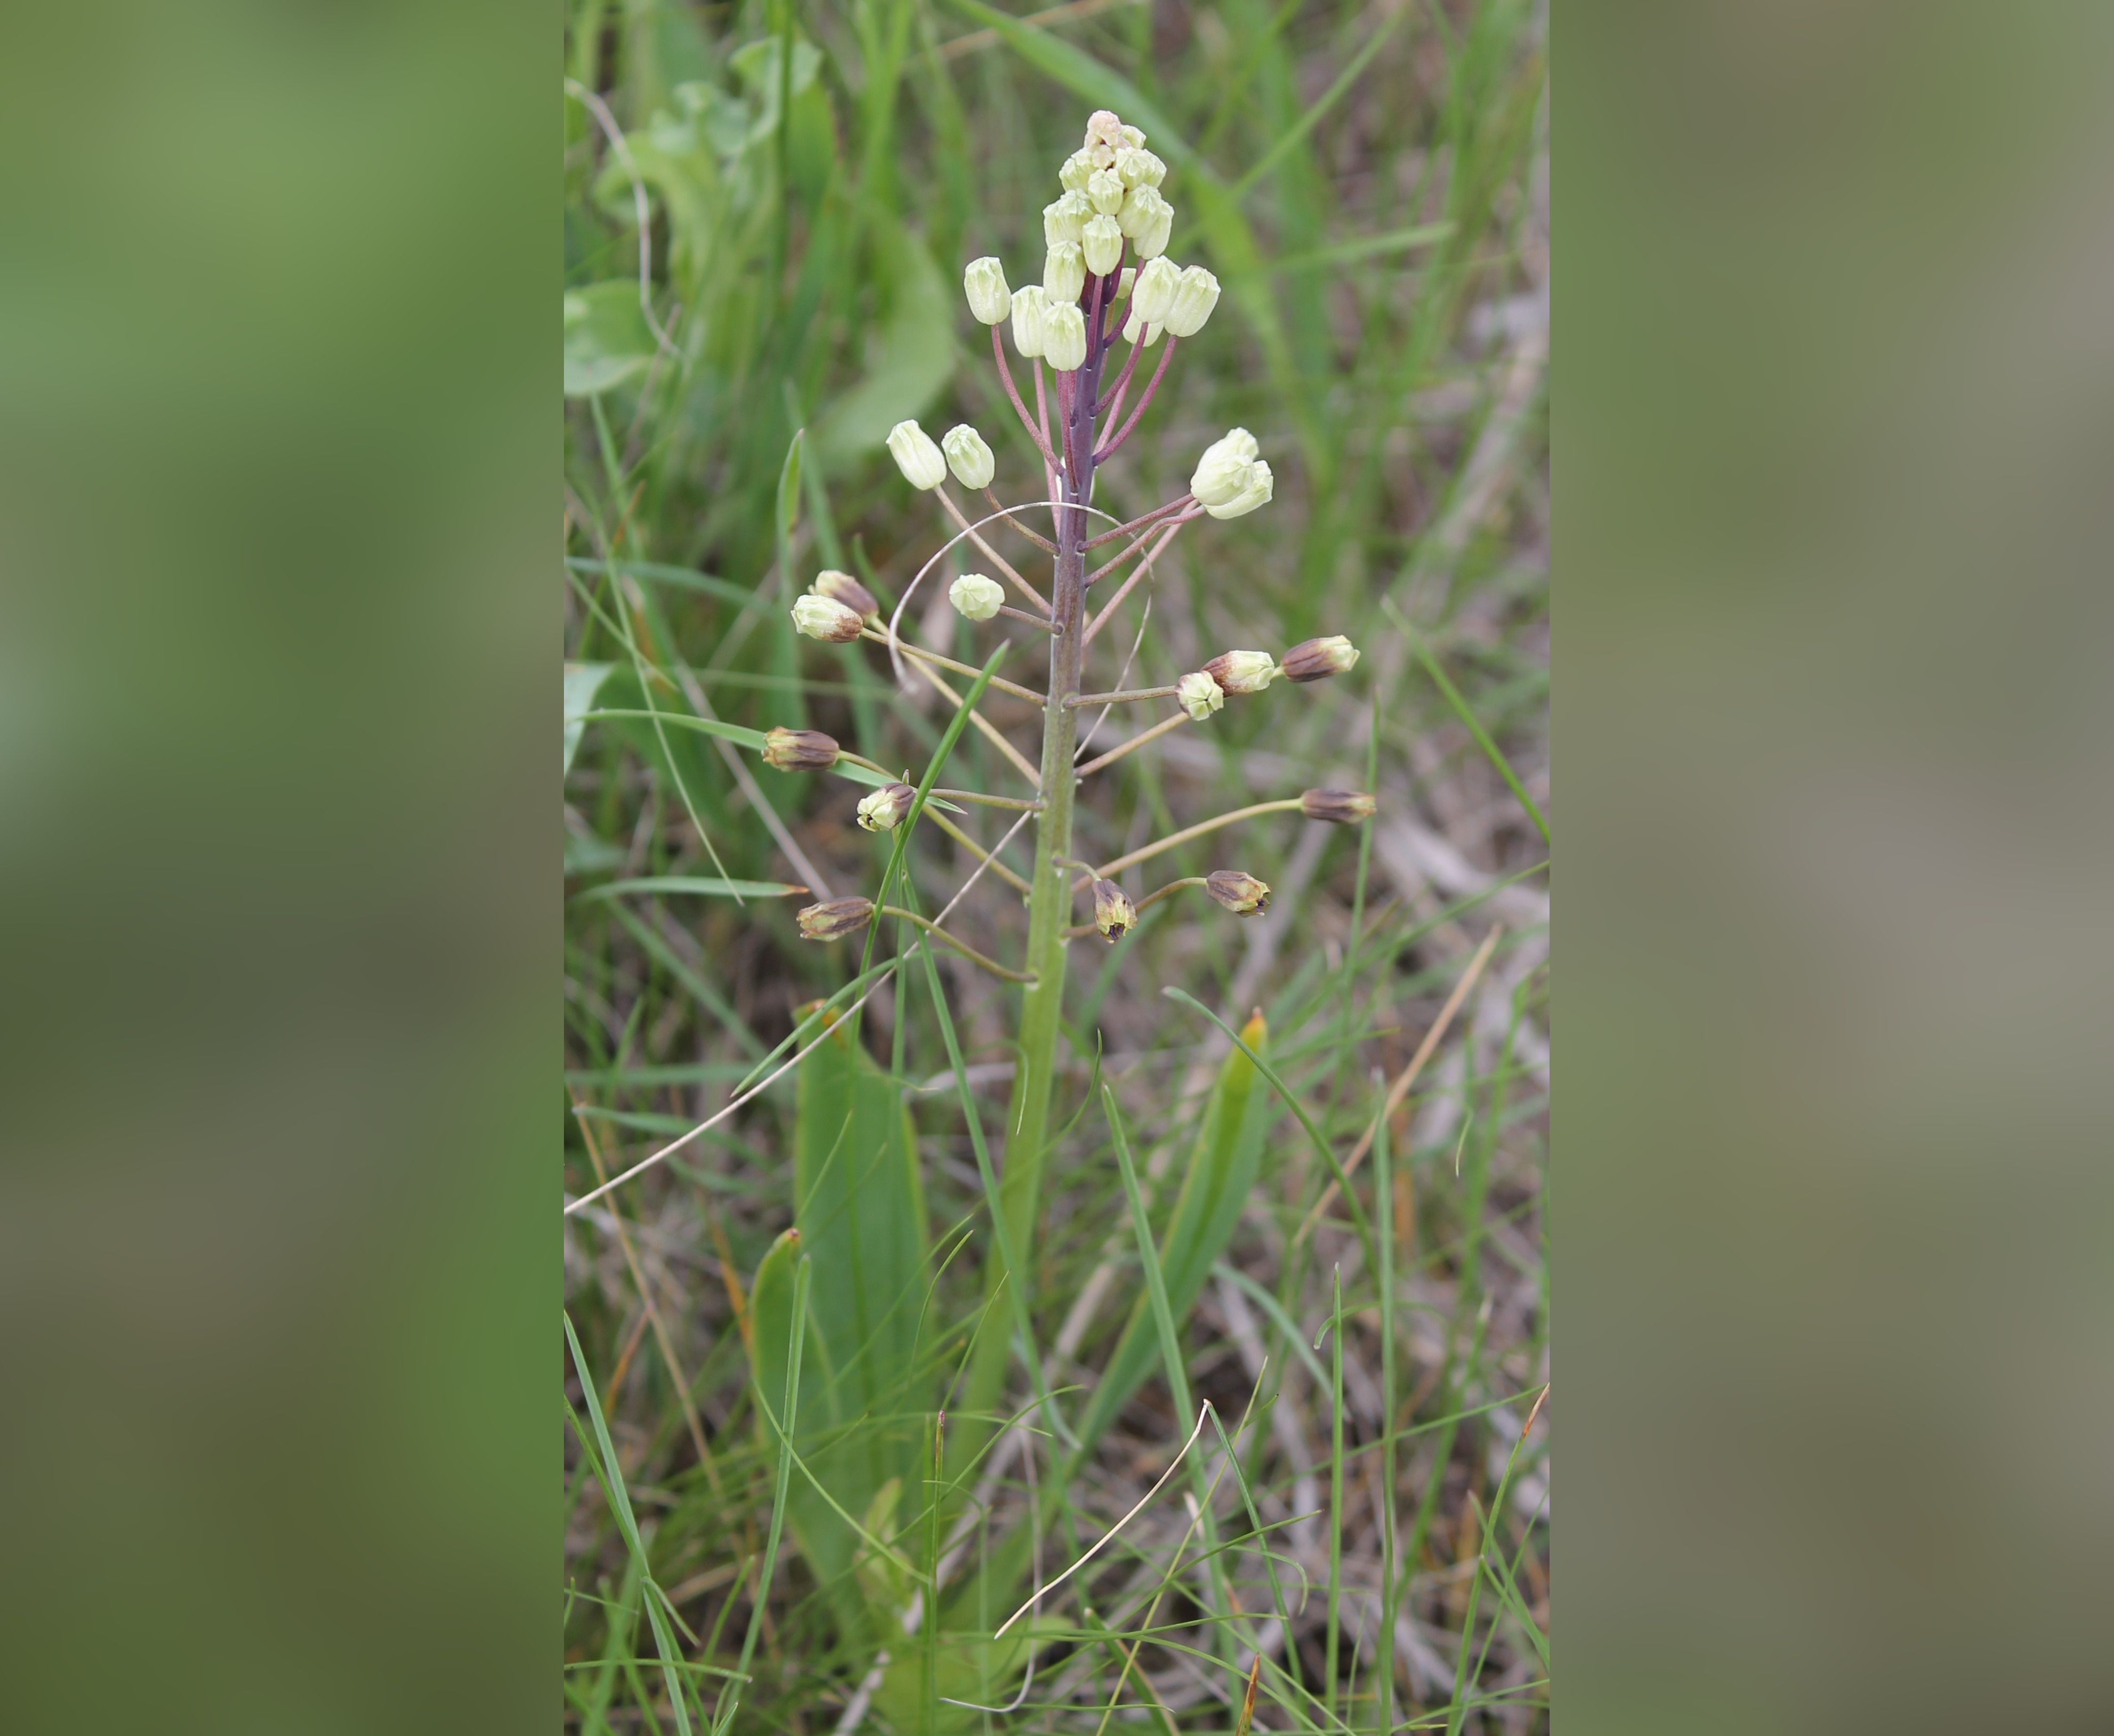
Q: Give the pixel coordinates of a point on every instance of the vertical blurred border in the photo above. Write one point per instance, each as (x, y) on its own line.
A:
(1833, 500)
(279, 878)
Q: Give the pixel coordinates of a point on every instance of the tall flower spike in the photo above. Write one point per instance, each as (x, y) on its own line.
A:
(824, 618)
(1063, 273)
(976, 597)
(1339, 807)
(1317, 659)
(1195, 296)
(916, 455)
(1113, 913)
(967, 456)
(883, 809)
(799, 750)
(1102, 243)
(1241, 894)
(1030, 308)
(1064, 338)
(1062, 217)
(833, 920)
(1242, 671)
(1199, 695)
(1155, 291)
(984, 282)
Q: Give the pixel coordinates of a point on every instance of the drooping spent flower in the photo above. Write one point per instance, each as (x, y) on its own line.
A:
(799, 750)
(1064, 338)
(1102, 242)
(1135, 329)
(916, 455)
(1222, 472)
(1113, 913)
(833, 920)
(1106, 191)
(1195, 296)
(1064, 272)
(1030, 307)
(883, 809)
(1154, 292)
(984, 282)
(975, 597)
(1062, 218)
(1339, 807)
(1241, 894)
(967, 456)
(825, 618)
(842, 588)
(1199, 695)
(1242, 671)
(1317, 659)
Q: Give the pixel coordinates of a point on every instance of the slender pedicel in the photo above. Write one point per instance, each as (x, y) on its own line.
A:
(1109, 565)
(1035, 537)
(1133, 745)
(1123, 433)
(963, 947)
(989, 859)
(1143, 904)
(1004, 566)
(1140, 522)
(1041, 439)
(1117, 698)
(1108, 869)
(1051, 627)
(991, 801)
(1139, 572)
(882, 637)
(1013, 756)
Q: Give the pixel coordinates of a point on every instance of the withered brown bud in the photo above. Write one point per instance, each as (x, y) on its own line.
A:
(1241, 894)
(1113, 913)
(1317, 659)
(799, 750)
(833, 920)
(842, 588)
(1242, 671)
(1339, 807)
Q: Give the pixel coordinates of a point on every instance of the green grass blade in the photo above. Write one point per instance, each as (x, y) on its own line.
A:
(1498, 760)
(701, 886)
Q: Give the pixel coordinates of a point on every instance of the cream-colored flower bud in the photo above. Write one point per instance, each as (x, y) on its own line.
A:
(1106, 191)
(916, 455)
(836, 919)
(984, 282)
(883, 809)
(1222, 472)
(1139, 167)
(1063, 273)
(1104, 157)
(1113, 913)
(1256, 493)
(1155, 293)
(967, 456)
(1062, 217)
(1141, 208)
(1105, 126)
(1078, 167)
(1241, 894)
(1195, 296)
(1152, 241)
(1242, 671)
(1317, 659)
(1030, 314)
(1064, 338)
(1127, 282)
(819, 617)
(975, 597)
(1199, 695)
(799, 750)
(1131, 136)
(842, 588)
(1102, 242)
(1337, 807)
(1135, 328)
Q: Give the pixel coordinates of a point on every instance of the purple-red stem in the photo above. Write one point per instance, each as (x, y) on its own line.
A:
(1012, 392)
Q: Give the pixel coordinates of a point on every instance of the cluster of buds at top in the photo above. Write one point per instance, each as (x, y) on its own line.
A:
(835, 608)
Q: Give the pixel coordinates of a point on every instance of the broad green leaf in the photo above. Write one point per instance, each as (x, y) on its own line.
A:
(704, 886)
(1221, 1173)
(583, 682)
(608, 340)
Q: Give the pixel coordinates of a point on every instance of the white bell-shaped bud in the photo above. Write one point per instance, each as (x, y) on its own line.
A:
(1064, 272)
(1078, 167)
(1106, 192)
(1199, 695)
(1142, 206)
(1030, 310)
(1255, 493)
(974, 597)
(1195, 296)
(1135, 330)
(1064, 338)
(967, 456)
(1222, 472)
(1155, 292)
(984, 282)
(1102, 243)
(916, 455)
(1063, 217)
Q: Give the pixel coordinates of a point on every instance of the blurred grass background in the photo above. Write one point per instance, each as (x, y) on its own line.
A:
(1369, 182)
